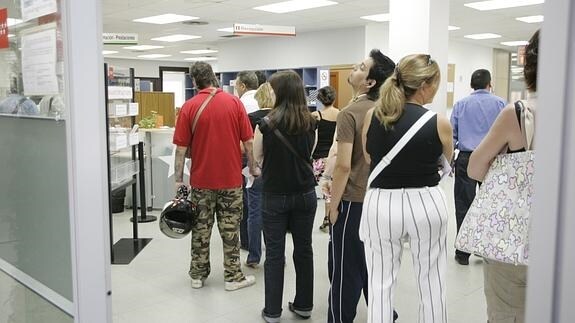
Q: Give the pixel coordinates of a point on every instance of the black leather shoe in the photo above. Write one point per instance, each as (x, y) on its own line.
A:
(462, 260)
(395, 316)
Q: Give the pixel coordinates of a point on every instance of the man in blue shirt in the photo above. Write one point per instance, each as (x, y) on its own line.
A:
(471, 119)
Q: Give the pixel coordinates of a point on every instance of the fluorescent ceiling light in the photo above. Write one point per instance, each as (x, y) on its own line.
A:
(515, 43)
(531, 19)
(108, 52)
(13, 21)
(513, 54)
(516, 77)
(201, 58)
(501, 4)
(11, 35)
(199, 51)
(143, 47)
(154, 56)
(450, 28)
(227, 30)
(517, 70)
(482, 36)
(379, 18)
(294, 5)
(176, 38)
(165, 19)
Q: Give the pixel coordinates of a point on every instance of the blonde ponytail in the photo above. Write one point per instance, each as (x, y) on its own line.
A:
(410, 74)
(391, 102)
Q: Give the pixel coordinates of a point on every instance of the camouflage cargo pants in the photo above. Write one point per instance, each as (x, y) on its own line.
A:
(227, 206)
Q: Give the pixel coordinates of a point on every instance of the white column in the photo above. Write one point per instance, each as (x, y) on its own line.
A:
(550, 292)
(420, 27)
(87, 161)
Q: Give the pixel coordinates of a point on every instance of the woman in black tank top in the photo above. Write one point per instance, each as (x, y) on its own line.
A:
(404, 201)
(325, 132)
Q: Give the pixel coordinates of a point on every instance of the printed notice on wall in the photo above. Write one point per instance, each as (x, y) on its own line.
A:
(37, 8)
(39, 63)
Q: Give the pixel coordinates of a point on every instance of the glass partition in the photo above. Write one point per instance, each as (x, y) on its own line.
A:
(35, 243)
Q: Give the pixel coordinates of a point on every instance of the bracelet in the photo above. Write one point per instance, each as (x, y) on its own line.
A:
(327, 177)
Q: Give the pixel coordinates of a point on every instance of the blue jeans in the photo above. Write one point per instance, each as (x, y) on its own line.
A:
(296, 212)
(254, 226)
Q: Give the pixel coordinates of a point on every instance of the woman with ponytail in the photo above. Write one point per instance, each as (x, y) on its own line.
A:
(403, 200)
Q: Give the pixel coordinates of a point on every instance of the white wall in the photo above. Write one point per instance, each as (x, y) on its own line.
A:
(377, 36)
(467, 58)
(144, 68)
(333, 47)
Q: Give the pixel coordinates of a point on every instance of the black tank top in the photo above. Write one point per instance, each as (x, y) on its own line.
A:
(416, 165)
(282, 171)
(325, 132)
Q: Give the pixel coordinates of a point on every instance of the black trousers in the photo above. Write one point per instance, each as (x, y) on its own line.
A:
(347, 266)
(244, 237)
(464, 191)
(296, 212)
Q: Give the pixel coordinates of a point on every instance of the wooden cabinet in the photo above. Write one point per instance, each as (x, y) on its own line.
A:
(162, 103)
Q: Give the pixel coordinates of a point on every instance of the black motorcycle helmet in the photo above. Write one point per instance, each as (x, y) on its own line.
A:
(178, 215)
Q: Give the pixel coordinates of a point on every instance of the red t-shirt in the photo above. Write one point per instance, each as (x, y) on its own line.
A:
(215, 145)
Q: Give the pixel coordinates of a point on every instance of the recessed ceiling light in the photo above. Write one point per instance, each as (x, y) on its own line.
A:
(165, 19)
(515, 43)
(227, 30)
(199, 51)
(450, 28)
(501, 4)
(13, 21)
(143, 47)
(379, 18)
(109, 52)
(154, 56)
(531, 19)
(11, 35)
(295, 5)
(176, 38)
(482, 36)
(201, 58)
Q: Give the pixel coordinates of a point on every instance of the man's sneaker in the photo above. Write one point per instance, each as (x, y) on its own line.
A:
(247, 281)
(302, 314)
(197, 283)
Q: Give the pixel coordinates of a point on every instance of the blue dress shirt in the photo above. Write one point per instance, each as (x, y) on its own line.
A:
(472, 117)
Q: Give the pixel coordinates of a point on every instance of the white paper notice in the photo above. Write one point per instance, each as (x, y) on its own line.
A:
(37, 8)
(39, 63)
(250, 179)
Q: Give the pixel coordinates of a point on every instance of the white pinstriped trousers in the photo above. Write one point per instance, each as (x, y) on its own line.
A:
(390, 215)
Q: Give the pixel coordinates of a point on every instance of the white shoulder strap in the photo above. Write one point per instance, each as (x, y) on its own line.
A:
(386, 160)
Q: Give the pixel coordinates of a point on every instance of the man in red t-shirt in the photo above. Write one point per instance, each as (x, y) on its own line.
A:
(216, 177)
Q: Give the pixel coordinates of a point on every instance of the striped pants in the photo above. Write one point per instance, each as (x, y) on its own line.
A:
(389, 216)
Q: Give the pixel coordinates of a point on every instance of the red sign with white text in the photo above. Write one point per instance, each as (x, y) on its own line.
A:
(4, 28)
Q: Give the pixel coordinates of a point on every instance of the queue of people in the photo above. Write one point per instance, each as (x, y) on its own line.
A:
(378, 161)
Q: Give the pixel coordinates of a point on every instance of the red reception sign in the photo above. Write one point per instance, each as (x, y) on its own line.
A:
(4, 28)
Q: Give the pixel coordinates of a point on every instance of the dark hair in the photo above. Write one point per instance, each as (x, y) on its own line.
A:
(262, 78)
(326, 95)
(290, 111)
(381, 69)
(530, 68)
(249, 79)
(480, 79)
(203, 75)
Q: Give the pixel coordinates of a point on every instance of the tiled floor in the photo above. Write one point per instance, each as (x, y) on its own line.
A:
(155, 287)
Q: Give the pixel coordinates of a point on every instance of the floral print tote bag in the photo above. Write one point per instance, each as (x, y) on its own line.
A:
(497, 223)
